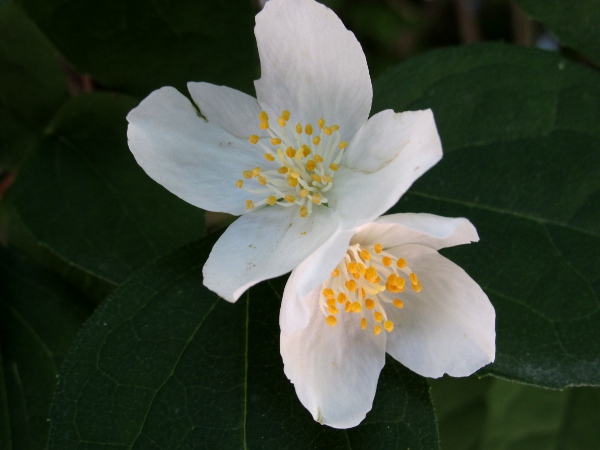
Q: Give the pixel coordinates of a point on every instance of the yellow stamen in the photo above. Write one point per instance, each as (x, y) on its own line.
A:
(401, 263)
(416, 287)
(304, 193)
(413, 278)
(343, 145)
(318, 158)
(356, 307)
(253, 139)
(283, 170)
(264, 125)
(308, 129)
(327, 131)
(398, 303)
(275, 141)
(376, 330)
(363, 324)
(249, 204)
(256, 171)
(347, 306)
(303, 211)
(321, 123)
(335, 127)
(294, 173)
(293, 182)
(239, 183)
(247, 174)
(305, 150)
(263, 116)
(269, 157)
(369, 304)
(328, 293)
(352, 267)
(290, 152)
(386, 261)
(316, 177)
(326, 179)
(378, 248)
(316, 140)
(271, 200)
(378, 316)
(285, 114)
(388, 325)
(298, 128)
(364, 254)
(331, 321)
(281, 121)
(335, 273)
(310, 165)
(334, 167)
(290, 198)
(371, 274)
(262, 180)
(316, 199)
(351, 285)
(331, 302)
(342, 298)
(332, 309)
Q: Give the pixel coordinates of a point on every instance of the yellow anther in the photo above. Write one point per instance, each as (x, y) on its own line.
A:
(256, 171)
(247, 174)
(356, 307)
(398, 303)
(253, 139)
(377, 316)
(263, 116)
(335, 273)
(331, 321)
(352, 267)
(343, 145)
(298, 128)
(308, 129)
(249, 204)
(275, 141)
(356, 275)
(294, 173)
(316, 199)
(416, 287)
(271, 200)
(303, 211)
(327, 131)
(321, 123)
(332, 309)
(369, 304)
(264, 125)
(305, 150)
(347, 306)
(363, 324)
(386, 261)
(371, 274)
(334, 167)
(401, 263)
(331, 302)
(290, 152)
(262, 180)
(269, 157)
(413, 278)
(376, 330)
(378, 248)
(282, 170)
(388, 325)
(351, 285)
(362, 269)
(335, 127)
(316, 177)
(326, 179)
(310, 165)
(293, 182)
(316, 140)
(285, 114)
(304, 193)
(239, 183)
(328, 293)
(290, 198)
(281, 121)
(318, 158)
(364, 254)
(342, 298)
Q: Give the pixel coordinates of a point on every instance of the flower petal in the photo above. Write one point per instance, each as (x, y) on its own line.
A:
(235, 112)
(264, 244)
(310, 274)
(334, 369)
(448, 327)
(413, 228)
(383, 160)
(312, 66)
(196, 160)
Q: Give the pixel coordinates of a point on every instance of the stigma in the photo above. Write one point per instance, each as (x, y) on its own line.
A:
(365, 283)
(300, 164)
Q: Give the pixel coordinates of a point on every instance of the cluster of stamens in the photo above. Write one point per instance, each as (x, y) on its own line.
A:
(364, 281)
(301, 164)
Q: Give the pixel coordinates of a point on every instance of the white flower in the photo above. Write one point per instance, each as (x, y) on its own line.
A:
(301, 164)
(392, 292)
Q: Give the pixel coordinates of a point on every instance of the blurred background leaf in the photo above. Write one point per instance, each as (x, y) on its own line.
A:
(83, 196)
(521, 140)
(39, 318)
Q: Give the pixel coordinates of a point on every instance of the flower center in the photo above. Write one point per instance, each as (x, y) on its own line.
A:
(364, 281)
(301, 164)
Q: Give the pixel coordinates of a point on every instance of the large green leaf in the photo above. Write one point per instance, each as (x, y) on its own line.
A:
(165, 363)
(137, 46)
(32, 84)
(574, 22)
(83, 195)
(39, 318)
(521, 136)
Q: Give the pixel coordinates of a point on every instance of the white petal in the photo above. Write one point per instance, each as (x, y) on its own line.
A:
(448, 327)
(383, 160)
(310, 274)
(264, 244)
(234, 111)
(334, 369)
(412, 228)
(312, 66)
(196, 160)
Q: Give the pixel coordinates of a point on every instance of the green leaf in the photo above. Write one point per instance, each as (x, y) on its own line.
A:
(83, 195)
(32, 84)
(39, 318)
(574, 23)
(165, 363)
(532, 418)
(138, 46)
(521, 140)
